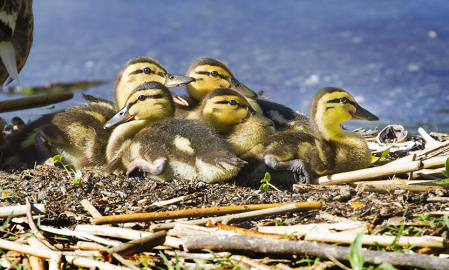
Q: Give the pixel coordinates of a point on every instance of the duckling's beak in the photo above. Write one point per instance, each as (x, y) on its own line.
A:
(179, 100)
(258, 119)
(362, 114)
(120, 117)
(242, 89)
(176, 80)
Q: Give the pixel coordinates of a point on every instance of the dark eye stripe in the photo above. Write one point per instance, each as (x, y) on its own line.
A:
(147, 96)
(338, 100)
(219, 75)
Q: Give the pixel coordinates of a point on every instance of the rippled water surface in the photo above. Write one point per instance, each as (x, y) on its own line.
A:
(384, 53)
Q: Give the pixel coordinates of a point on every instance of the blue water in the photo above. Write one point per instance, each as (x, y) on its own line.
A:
(380, 51)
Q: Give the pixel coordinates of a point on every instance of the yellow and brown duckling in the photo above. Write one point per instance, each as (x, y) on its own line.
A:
(16, 37)
(144, 69)
(322, 148)
(77, 133)
(148, 103)
(208, 75)
(167, 147)
(229, 112)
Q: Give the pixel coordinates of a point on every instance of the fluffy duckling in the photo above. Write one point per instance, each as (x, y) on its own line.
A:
(144, 69)
(168, 149)
(230, 113)
(210, 74)
(149, 102)
(16, 37)
(322, 148)
(76, 133)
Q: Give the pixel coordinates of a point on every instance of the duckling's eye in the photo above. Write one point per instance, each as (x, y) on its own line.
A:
(141, 97)
(233, 102)
(171, 77)
(344, 100)
(147, 70)
(214, 73)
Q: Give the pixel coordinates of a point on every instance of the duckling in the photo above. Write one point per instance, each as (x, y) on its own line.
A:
(149, 102)
(210, 74)
(16, 37)
(144, 69)
(168, 149)
(77, 133)
(322, 148)
(231, 114)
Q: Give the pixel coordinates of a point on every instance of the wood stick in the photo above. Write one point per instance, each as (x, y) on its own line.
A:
(243, 231)
(124, 261)
(438, 199)
(111, 232)
(421, 154)
(21, 210)
(201, 256)
(369, 173)
(435, 162)
(33, 102)
(304, 206)
(92, 264)
(315, 227)
(387, 188)
(181, 229)
(253, 264)
(10, 245)
(383, 240)
(81, 235)
(256, 244)
(197, 212)
(144, 243)
(90, 208)
(36, 233)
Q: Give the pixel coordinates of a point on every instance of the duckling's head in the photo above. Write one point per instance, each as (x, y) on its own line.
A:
(331, 106)
(210, 74)
(144, 69)
(150, 101)
(223, 108)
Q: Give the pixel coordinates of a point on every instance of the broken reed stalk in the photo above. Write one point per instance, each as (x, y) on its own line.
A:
(135, 246)
(304, 206)
(33, 102)
(381, 171)
(198, 212)
(422, 154)
(383, 240)
(369, 173)
(111, 231)
(387, 188)
(21, 210)
(261, 245)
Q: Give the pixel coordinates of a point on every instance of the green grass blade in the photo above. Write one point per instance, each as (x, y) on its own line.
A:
(355, 252)
(5, 224)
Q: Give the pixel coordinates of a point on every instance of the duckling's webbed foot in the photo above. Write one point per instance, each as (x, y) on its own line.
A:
(40, 141)
(299, 167)
(156, 168)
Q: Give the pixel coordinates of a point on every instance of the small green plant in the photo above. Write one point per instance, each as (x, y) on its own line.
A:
(355, 252)
(75, 181)
(445, 172)
(288, 236)
(266, 183)
(375, 160)
(8, 219)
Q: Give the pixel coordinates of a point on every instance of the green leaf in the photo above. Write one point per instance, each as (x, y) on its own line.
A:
(386, 266)
(441, 181)
(76, 171)
(446, 220)
(374, 159)
(5, 224)
(355, 252)
(57, 158)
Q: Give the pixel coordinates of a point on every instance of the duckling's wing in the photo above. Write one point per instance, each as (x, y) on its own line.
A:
(93, 99)
(280, 114)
